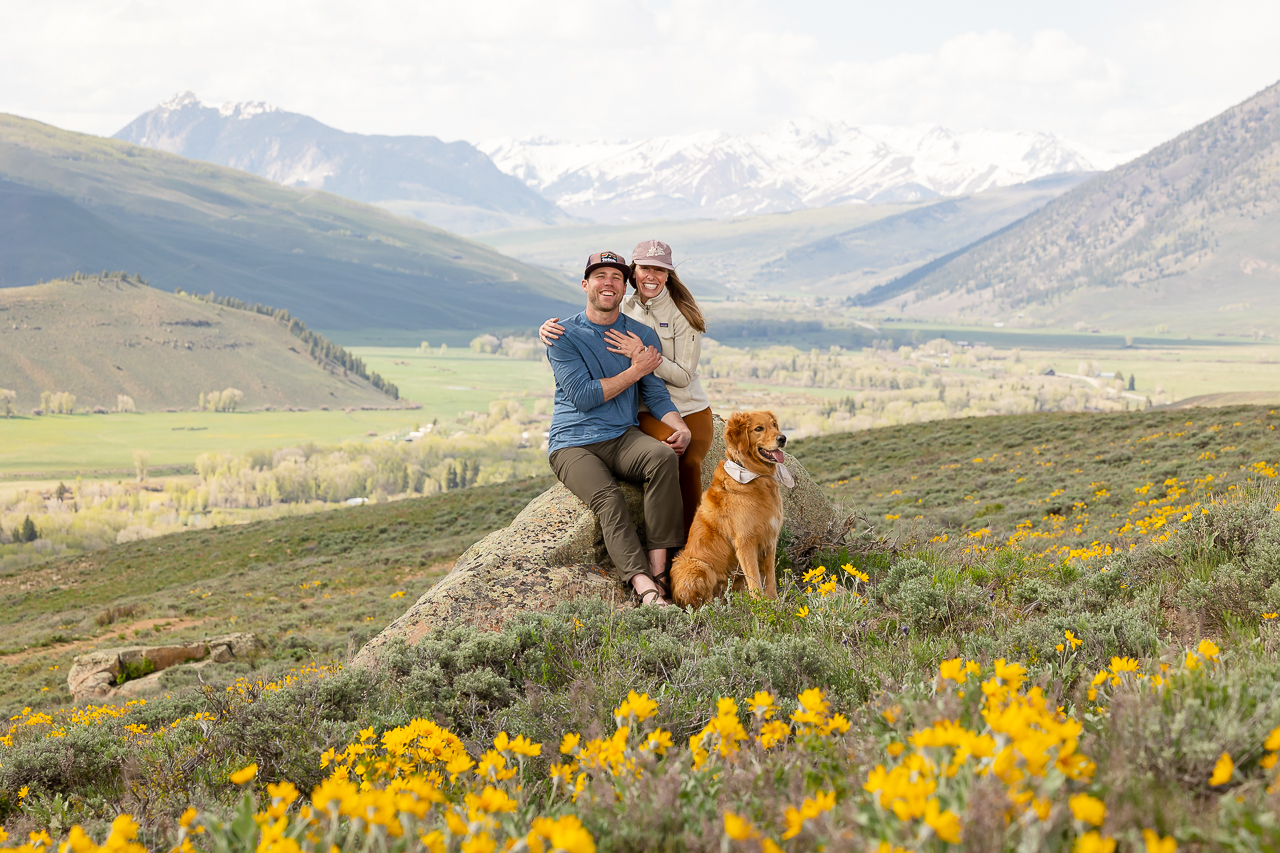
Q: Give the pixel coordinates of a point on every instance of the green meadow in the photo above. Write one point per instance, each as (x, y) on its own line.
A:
(445, 384)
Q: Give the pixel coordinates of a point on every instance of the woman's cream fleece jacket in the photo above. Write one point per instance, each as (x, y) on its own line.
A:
(681, 348)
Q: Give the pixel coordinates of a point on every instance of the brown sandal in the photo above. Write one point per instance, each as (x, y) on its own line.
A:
(661, 602)
(663, 582)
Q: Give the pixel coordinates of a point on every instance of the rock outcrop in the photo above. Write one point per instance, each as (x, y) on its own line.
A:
(553, 551)
(131, 670)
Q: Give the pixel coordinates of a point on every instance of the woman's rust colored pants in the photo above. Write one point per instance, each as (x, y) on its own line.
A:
(702, 428)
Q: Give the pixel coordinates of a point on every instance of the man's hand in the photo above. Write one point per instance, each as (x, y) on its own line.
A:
(642, 364)
(646, 361)
(679, 439)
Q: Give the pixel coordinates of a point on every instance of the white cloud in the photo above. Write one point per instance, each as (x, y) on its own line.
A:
(1117, 77)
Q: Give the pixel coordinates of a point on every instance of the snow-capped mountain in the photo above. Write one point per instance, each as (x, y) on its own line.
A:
(796, 165)
(450, 184)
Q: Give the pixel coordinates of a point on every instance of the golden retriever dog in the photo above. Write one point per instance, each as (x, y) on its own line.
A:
(738, 521)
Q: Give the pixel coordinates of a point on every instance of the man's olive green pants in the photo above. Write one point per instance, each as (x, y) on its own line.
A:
(590, 471)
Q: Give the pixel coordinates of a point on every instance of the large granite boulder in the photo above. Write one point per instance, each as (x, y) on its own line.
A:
(132, 670)
(554, 551)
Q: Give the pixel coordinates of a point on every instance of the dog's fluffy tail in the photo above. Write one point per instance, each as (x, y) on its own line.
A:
(692, 581)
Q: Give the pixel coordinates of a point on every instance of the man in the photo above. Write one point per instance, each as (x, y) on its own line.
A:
(595, 436)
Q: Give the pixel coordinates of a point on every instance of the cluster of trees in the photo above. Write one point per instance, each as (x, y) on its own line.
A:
(7, 397)
(57, 403)
(934, 380)
(461, 475)
(323, 350)
(26, 532)
(513, 346)
(490, 447)
(226, 400)
(61, 403)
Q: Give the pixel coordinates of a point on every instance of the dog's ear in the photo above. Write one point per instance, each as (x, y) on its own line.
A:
(735, 431)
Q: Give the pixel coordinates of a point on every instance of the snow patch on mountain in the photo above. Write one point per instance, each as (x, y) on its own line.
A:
(798, 164)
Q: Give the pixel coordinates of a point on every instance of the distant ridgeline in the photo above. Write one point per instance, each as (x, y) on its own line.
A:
(323, 350)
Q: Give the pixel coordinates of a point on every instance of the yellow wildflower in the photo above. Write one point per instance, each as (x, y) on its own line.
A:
(569, 743)
(1208, 648)
(1223, 770)
(1092, 842)
(1073, 640)
(803, 611)
(773, 733)
(1088, 809)
(564, 833)
(479, 843)
(639, 706)
(659, 742)
(945, 824)
(1272, 742)
(1155, 844)
(738, 828)
(762, 705)
(244, 774)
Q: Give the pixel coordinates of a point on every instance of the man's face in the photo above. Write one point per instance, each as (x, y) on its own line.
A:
(605, 288)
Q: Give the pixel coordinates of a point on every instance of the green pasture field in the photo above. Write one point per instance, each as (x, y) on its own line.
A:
(67, 445)
(457, 381)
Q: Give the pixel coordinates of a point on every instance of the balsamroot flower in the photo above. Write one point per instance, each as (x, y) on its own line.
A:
(1088, 809)
(1155, 844)
(1223, 770)
(244, 774)
(1092, 842)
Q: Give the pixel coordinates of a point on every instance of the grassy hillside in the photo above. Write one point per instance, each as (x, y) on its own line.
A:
(1052, 483)
(306, 585)
(70, 201)
(933, 696)
(1187, 235)
(101, 337)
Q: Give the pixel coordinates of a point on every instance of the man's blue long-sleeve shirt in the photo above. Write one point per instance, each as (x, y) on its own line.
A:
(580, 359)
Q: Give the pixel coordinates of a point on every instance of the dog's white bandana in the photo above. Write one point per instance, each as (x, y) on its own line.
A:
(743, 476)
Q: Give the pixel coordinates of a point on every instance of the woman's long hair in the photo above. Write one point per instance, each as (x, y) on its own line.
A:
(681, 296)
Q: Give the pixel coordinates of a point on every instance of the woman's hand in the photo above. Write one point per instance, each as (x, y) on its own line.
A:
(628, 344)
(551, 331)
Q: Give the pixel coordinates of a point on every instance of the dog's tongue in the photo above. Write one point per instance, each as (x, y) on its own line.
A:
(777, 456)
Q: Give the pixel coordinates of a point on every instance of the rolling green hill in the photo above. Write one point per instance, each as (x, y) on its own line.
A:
(1187, 235)
(98, 337)
(833, 251)
(70, 202)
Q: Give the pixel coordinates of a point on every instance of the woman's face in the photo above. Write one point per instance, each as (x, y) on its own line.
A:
(650, 281)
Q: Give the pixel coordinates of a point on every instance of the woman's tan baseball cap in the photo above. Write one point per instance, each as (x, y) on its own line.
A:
(652, 253)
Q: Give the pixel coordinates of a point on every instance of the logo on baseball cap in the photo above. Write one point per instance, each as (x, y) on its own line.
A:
(608, 259)
(653, 253)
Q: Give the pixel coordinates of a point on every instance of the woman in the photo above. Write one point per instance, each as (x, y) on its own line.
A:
(663, 302)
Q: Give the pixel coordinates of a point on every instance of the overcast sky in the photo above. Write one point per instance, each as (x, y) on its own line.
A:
(1115, 75)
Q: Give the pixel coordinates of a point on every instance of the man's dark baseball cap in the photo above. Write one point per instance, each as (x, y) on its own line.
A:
(608, 259)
